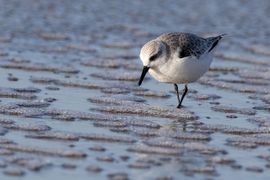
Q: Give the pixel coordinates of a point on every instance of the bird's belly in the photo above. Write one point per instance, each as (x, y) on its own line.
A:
(185, 70)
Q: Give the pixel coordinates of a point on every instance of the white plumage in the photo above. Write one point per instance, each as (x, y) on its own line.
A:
(178, 58)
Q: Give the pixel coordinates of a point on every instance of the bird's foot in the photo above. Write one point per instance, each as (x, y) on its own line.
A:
(179, 106)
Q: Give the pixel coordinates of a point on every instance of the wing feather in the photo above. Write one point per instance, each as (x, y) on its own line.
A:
(188, 44)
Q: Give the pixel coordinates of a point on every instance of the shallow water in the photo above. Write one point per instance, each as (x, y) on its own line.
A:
(71, 108)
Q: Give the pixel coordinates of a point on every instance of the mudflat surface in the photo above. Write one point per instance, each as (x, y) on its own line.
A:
(71, 108)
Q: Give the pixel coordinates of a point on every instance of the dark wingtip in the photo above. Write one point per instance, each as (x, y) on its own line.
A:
(222, 35)
(217, 38)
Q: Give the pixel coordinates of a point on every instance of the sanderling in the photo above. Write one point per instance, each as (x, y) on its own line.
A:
(178, 58)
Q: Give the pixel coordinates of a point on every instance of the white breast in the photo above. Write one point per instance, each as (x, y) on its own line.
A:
(184, 70)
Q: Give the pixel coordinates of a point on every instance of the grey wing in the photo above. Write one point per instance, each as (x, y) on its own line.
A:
(188, 44)
(185, 44)
(191, 45)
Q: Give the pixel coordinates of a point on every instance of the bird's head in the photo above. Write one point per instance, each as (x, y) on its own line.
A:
(153, 54)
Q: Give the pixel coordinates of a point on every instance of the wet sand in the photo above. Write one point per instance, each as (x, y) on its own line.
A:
(71, 108)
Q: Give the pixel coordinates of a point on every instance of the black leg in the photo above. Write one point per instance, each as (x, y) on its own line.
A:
(184, 94)
(177, 94)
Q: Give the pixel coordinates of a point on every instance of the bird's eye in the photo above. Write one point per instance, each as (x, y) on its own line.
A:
(152, 58)
(155, 56)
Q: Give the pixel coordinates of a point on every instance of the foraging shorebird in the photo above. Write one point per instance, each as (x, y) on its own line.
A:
(178, 58)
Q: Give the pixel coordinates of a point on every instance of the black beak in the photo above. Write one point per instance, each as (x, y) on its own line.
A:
(144, 71)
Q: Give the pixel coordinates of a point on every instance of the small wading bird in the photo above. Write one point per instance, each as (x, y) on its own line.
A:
(178, 58)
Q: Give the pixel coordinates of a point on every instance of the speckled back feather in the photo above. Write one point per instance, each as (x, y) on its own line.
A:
(189, 44)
